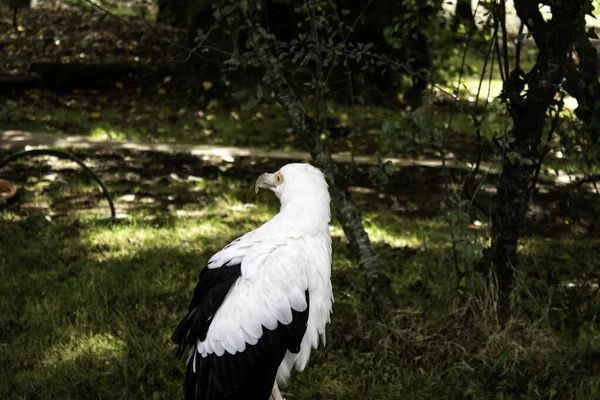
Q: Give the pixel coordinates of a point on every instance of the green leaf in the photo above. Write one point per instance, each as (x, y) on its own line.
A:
(503, 356)
(513, 156)
(388, 168)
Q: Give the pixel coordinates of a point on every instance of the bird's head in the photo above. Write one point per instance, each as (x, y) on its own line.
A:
(302, 185)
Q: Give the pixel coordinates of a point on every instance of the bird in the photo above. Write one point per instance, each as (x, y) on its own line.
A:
(262, 302)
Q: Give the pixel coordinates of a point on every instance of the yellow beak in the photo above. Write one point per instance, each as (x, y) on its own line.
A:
(265, 181)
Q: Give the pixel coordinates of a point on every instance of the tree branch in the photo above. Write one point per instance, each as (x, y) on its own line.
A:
(377, 282)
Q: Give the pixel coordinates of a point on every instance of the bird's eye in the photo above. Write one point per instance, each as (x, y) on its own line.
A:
(278, 178)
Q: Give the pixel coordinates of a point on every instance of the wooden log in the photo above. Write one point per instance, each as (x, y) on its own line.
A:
(19, 3)
(9, 83)
(61, 77)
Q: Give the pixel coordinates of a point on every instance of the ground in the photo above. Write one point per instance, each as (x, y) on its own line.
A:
(88, 304)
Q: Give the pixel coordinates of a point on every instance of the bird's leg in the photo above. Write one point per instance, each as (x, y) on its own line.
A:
(275, 393)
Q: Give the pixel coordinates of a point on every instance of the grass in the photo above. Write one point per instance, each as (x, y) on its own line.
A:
(156, 120)
(88, 305)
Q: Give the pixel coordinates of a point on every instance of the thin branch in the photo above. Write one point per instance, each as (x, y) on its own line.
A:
(478, 123)
(503, 76)
(161, 39)
(547, 147)
(504, 39)
(346, 64)
(123, 20)
(442, 149)
(518, 47)
(345, 44)
(319, 61)
(377, 282)
(104, 10)
(362, 12)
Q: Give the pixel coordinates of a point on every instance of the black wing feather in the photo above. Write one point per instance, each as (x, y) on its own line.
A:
(247, 375)
(213, 285)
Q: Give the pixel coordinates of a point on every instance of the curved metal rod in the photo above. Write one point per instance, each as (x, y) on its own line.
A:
(63, 154)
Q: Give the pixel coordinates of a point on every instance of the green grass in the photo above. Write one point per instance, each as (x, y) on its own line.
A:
(158, 121)
(88, 305)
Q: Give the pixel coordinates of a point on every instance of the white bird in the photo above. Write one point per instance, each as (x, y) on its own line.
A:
(262, 302)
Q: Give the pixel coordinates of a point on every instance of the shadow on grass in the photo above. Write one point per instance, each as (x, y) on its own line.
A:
(88, 305)
(88, 317)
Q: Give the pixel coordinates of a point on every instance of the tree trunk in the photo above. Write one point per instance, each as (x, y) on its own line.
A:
(172, 12)
(583, 84)
(554, 39)
(463, 15)
(377, 282)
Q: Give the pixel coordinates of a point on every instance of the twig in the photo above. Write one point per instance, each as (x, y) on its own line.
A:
(63, 155)
(478, 123)
(123, 20)
(346, 63)
(504, 38)
(458, 272)
(161, 39)
(362, 12)
(547, 147)
(518, 47)
(319, 63)
(503, 76)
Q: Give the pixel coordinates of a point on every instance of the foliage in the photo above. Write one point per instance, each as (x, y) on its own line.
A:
(535, 106)
(89, 305)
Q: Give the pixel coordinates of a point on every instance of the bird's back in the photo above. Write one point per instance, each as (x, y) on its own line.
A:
(247, 314)
(262, 302)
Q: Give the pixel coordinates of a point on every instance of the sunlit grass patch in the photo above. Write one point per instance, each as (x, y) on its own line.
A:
(212, 226)
(104, 347)
(89, 304)
(111, 133)
(403, 231)
(154, 120)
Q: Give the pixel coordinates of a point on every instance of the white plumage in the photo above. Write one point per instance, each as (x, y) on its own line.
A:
(265, 282)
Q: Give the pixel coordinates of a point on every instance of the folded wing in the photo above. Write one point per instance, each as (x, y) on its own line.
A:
(246, 313)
